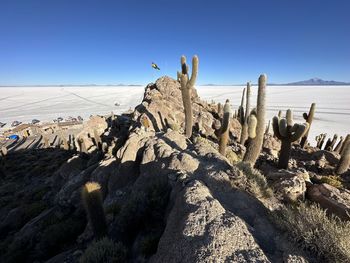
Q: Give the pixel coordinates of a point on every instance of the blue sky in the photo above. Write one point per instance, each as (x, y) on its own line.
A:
(79, 42)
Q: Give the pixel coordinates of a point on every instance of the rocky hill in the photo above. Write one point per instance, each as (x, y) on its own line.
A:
(139, 190)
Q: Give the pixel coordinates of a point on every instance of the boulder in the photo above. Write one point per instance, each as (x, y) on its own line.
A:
(290, 185)
(328, 197)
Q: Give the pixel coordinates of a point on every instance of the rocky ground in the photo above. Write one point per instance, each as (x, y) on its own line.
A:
(168, 198)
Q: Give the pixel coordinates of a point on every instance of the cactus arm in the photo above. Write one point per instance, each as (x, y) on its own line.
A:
(275, 127)
(252, 122)
(298, 131)
(282, 127)
(194, 74)
(308, 117)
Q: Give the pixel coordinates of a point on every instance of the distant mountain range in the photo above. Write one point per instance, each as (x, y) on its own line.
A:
(317, 81)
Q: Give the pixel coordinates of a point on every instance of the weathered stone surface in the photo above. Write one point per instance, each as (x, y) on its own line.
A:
(199, 229)
(334, 200)
(290, 186)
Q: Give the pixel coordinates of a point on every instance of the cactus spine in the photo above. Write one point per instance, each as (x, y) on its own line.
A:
(225, 131)
(187, 84)
(92, 200)
(287, 132)
(308, 117)
(254, 146)
(244, 114)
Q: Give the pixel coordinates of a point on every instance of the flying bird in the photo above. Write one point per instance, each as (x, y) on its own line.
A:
(155, 66)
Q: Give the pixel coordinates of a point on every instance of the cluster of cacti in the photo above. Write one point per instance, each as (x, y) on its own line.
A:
(255, 144)
(330, 143)
(92, 200)
(344, 161)
(308, 118)
(286, 131)
(224, 130)
(187, 84)
(244, 113)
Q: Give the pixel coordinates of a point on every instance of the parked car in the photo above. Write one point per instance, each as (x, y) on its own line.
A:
(15, 123)
(59, 119)
(35, 121)
(2, 124)
(116, 104)
(80, 118)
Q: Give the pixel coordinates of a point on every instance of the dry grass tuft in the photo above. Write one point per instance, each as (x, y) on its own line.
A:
(332, 180)
(326, 237)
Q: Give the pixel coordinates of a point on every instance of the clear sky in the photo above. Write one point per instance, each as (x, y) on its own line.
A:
(83, 41)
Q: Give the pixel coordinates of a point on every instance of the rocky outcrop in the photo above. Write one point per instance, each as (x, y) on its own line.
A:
(162, 105)
(199, 229)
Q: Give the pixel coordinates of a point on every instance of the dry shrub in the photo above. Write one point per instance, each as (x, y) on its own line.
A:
(104, 250)
(256, 182)
(326, 237)
(332, 180)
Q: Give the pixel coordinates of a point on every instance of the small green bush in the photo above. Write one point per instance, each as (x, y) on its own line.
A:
(104, 250)
(326, 237)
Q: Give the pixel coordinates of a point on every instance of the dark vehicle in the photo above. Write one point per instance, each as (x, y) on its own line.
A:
(59, 119)
(15, 123)
(80, 118)
(2, 124)
(35, 121)
(116, 104)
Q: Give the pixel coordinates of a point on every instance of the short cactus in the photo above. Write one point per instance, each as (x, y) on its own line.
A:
(225, 131)
(254, 146)
(145, 122)
(92, 200)
(287, 132)
(244, 114)
(308, 118)
(187, 84)
(320, 140)
(344, 161)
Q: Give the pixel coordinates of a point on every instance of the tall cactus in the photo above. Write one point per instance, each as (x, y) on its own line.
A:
(187, 84)
(254, 146)
(245, 113)
(92, 200)
(287, 132)
(225, 131)
(346, 141)
(344, 161)
(308, 118)
(339, 145)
